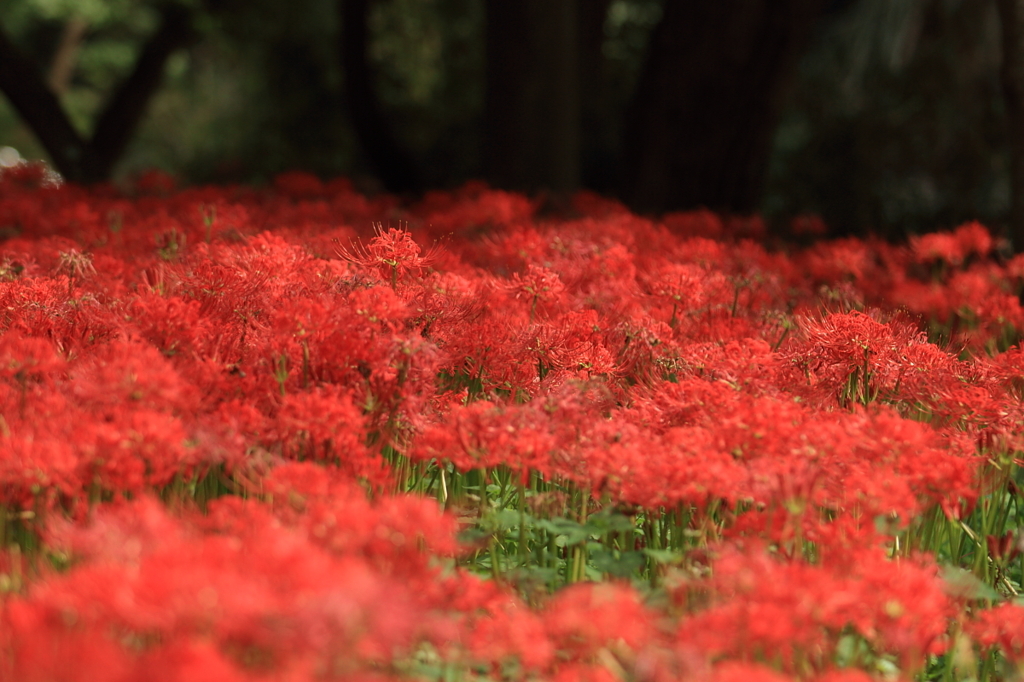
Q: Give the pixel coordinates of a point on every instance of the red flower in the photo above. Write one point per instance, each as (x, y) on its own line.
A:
(1001, 626)
(393, 253)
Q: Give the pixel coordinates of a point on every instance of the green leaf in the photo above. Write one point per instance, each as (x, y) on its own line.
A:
(664, 556)
(501, 520)
(525, 575)
(473, 536)
(619, 564)
(570, 532)
(613, 522)
(964, 584)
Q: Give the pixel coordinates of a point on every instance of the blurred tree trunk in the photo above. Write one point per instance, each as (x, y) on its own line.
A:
(66, 56)
(532, 95)
(1011, 16)
(391, 163)
(92, 160)
(599, 124)
(698, 130)
(26, 90)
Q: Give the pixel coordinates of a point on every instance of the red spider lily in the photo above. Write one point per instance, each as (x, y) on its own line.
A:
(760, 447)
(398, 534)
(325, 425)
(277, 610)
(1001, 626)
(852, 357)
(836, 260)
(584, 621)
(539, 286)
(472, 208)
(695, 224)
(393, 253)
(735, 671)
(299, 185)
(648, 371)
(684, 289)
(573, 344)
(953, 247)
(38, 467)
(975, 304)
(483, 434)
(24, 358)
(176, 326)
(134, 451)
(118, 375)
(808, 225)
(791, 609)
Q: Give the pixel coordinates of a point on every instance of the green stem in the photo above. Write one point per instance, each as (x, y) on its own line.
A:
(522, 521)
(579, 554)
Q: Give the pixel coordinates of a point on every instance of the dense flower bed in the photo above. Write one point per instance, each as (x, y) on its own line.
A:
(245, 435)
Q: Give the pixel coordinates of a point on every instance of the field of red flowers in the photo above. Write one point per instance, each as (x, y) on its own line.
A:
(302, 434)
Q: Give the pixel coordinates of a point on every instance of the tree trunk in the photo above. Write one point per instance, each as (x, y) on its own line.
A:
(532, 97)
(1011, 15)
(76, 159)
(392, 165)
(698, 130)
(65, 58)
(25, 88)
(123, 113)
(599, 122)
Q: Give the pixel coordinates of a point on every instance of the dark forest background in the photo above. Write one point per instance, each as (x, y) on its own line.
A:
(882, 116)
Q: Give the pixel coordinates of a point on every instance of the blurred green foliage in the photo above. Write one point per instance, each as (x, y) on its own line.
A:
(262, 91)
(626, 29)
(115, 30)
(893, 123)
(429, 62)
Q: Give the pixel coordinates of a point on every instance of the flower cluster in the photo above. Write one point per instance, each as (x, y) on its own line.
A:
(597, 448)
